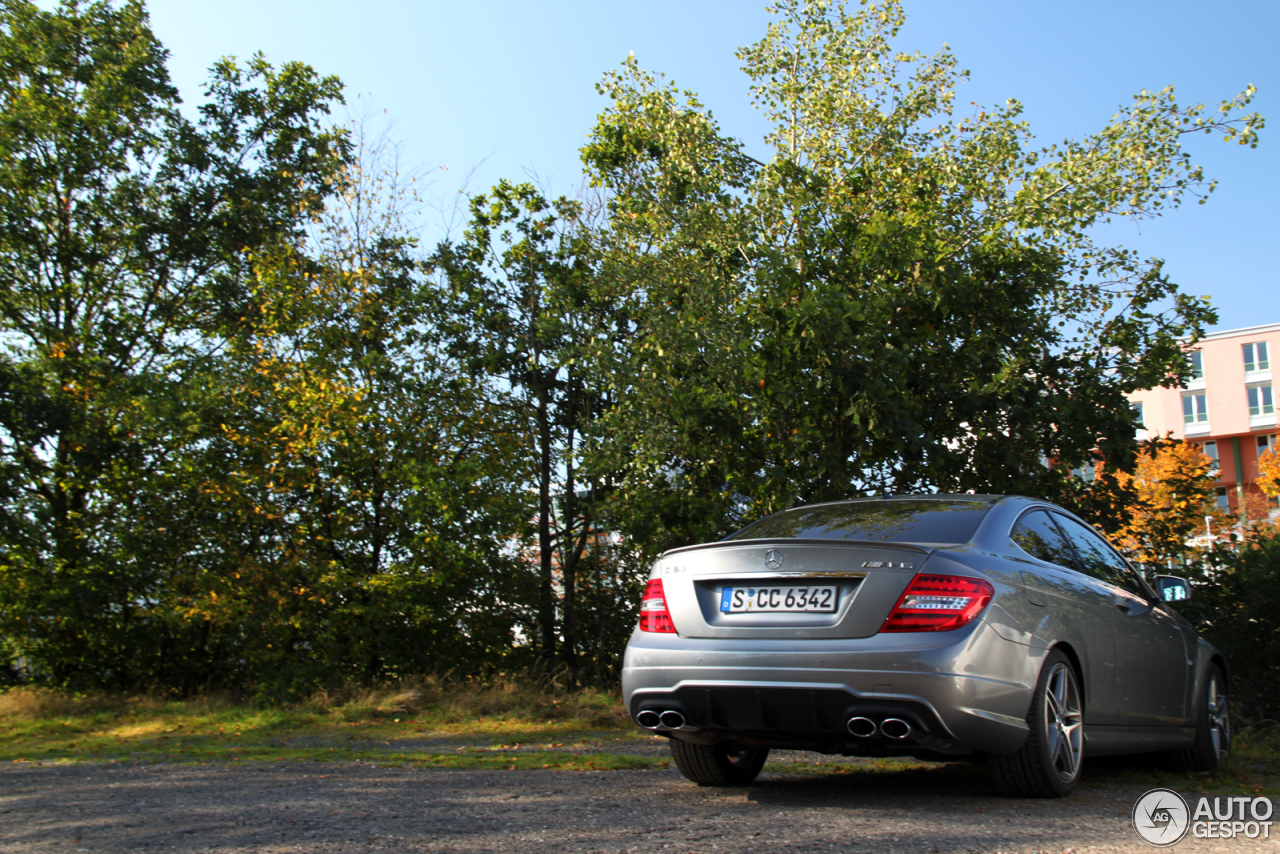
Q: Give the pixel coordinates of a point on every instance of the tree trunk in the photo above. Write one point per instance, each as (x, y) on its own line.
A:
(569, 550)
(546, 591)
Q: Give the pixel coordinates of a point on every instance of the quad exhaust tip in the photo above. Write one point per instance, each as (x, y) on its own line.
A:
(653, 719)
(861, 727)
(895, 728)
(671, 720)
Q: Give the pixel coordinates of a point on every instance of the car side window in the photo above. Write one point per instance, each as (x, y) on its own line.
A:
(1097, 558)
(1038, 536)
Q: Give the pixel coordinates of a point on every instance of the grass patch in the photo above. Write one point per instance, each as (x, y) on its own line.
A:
(496, 761)
(505, 724)
(476, 722)
(430, 701)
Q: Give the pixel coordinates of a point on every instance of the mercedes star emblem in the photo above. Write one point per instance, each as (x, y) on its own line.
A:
(773, 558)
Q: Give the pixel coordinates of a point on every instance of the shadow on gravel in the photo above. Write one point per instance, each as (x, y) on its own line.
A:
(954, 779)
(965, 780)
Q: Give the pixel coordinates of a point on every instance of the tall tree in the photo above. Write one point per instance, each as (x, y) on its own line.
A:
(899, 298)
(124, 229)
(523, 310)
(363, 489)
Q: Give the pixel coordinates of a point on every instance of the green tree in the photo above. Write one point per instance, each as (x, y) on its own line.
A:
(523, 309)
(366, 477)
(899, 298)
(125, 232)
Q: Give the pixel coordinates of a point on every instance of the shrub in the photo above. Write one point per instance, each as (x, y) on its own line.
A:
(1237, 607)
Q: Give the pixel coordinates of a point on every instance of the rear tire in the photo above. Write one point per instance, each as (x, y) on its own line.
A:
(1213, 727)
(1048, 764)
(727, 763)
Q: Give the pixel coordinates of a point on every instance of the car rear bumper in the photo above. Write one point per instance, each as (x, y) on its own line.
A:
(965, 689)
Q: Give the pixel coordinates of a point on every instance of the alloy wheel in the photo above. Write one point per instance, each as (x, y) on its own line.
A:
(1219, 719)
(1063, 722)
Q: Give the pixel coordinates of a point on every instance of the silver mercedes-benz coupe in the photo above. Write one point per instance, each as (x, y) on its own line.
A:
(931, 626)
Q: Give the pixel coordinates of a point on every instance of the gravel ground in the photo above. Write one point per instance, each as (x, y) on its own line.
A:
(359, 807)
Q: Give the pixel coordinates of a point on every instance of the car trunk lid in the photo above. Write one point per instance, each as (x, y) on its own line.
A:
(868, 578)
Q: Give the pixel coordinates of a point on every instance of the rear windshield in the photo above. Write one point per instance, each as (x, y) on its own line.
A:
(894, 521)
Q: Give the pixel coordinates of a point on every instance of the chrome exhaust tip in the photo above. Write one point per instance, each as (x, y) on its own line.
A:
(895, 728)
(649, 719)
(671, 719)
(861, 727)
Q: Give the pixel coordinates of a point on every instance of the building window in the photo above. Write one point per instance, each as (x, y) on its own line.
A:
(1088, 473)
(1211, 451)
(1197, 365)
(1137, 414)
(1260, 400)
(1266, 443)
(1256, 357)
(1195, 409)
(1221, 499)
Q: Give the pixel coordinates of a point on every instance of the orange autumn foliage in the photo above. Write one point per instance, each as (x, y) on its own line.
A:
(1269, 472)
(1174, 484)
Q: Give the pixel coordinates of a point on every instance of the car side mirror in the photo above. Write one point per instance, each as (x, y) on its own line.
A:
(1171, 588)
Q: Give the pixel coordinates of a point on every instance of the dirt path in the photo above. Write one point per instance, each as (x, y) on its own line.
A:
(359, 807)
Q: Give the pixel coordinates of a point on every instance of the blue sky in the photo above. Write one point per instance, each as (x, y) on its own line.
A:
(506, 89)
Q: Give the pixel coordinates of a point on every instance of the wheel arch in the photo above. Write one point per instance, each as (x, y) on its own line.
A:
(1202, 658)
(1221, 660)
(1072, 656)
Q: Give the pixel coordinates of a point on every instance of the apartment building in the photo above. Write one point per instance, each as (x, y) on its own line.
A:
(1228, 408)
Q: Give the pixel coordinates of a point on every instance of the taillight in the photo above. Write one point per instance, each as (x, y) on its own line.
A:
(937, 603)
(654, 616)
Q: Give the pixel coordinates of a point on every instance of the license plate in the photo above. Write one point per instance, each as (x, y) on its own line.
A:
(740, 600)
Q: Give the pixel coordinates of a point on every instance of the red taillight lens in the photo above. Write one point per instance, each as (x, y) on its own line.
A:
(937, 603)
(654, 616)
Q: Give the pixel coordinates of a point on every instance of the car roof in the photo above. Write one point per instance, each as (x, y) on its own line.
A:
(931, 496)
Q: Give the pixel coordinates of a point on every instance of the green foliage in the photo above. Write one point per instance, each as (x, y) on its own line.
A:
(251, 439)
(519, 307)
(1236, 604)
(367, 479)
(233, 454)
(121, 245)
(899, 298)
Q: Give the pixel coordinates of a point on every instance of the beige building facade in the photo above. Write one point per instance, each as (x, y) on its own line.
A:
(1228, 408)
